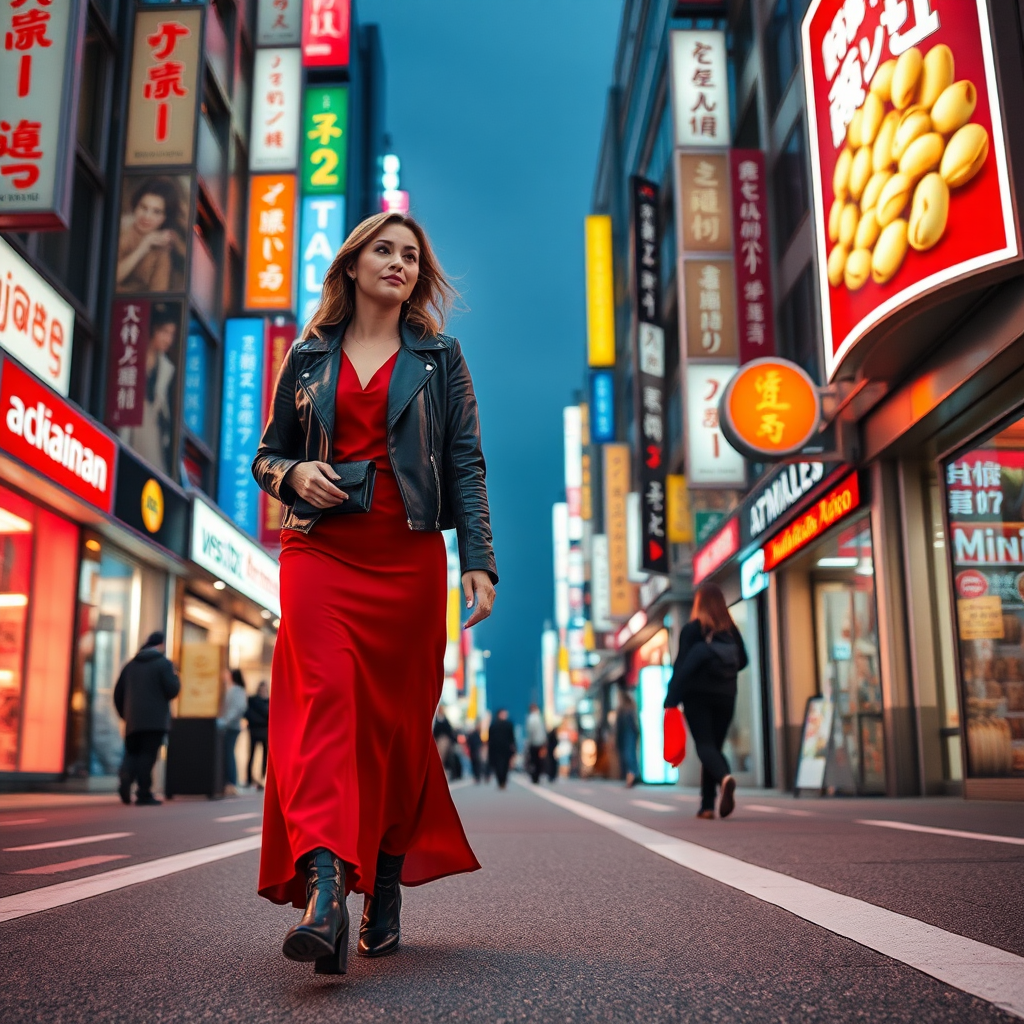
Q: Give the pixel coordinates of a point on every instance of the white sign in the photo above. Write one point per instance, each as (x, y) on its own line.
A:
(36, 324)
(710, 460)
(220, 548)
(634, 538)
(700, 89)
(753, 578)
(600, 584)
(652, 349)
(276, 110)
(279, 23)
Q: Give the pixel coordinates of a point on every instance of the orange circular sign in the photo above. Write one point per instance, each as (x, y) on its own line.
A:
(771, 408)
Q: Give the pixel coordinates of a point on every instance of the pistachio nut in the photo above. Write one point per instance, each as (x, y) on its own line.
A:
(848, 224)
(893, 199)
(872, 115)
(936, 74)
(923, 155)
(873, 189)
(881, 81)
(841, 175)
(929, 212)
(853, 131)
(857, 269)
(913, 123)
(834, 214)
(890, 251)
(965, 155)
(881, 153)
(837, 264)
(953, 109)
(860, 171)
(905, 78)
(867, 232)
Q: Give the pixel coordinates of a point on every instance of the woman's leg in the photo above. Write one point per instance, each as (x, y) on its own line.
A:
(230, 765)
(714, 767)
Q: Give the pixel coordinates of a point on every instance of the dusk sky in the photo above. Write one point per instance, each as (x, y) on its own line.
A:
(496, 111)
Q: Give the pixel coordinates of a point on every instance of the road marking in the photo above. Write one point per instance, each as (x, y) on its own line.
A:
(239, 817)
(78, 841)
(460, 784)
(954, 832)
(72, 865)
(22, 821)
(987, 972)
(650, 805)
(765, 809)
(47, 897)
(255, 828)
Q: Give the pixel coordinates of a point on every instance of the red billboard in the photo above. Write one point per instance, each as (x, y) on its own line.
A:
(326, 32)
(910, 182)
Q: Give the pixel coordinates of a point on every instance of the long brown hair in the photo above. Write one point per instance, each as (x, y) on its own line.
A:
(428, 305)
(710, 610)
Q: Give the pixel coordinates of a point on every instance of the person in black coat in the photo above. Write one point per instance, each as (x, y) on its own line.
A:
(257, 717)
(142, 696)
(501, 746)
(475, 745)
(711, 655)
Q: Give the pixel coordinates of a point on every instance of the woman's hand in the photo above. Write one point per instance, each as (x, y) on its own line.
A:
(476, 583)
(156, 240)
(316, 483)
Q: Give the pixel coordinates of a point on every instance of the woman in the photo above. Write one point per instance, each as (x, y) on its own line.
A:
(356, 795)
(232, 711)
(711, 655)
(627, 732)
(257, 715)
(148, 238)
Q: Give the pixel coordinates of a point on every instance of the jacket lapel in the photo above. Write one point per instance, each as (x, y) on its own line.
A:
(410, 372)
(320, 379)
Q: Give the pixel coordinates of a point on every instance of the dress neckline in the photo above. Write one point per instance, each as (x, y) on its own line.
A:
(373, 375)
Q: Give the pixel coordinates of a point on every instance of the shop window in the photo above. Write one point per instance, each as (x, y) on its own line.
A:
(743, 35)
(798, 324)
(92, 97)
(791, 188)
(748, 134)
(780, 51)
(744, 743)
(70, 255)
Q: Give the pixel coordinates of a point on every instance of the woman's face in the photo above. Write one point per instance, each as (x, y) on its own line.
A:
(162, 338)
(150, 213)
(388, 267)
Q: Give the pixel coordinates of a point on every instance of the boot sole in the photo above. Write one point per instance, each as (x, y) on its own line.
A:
(377, 954)
(305, 948)
(728, 802)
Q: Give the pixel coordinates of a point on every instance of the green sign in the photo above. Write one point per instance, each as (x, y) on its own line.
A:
(325, 141)
(705, 524)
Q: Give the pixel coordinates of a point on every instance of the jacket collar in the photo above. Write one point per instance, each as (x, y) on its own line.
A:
(410, 340)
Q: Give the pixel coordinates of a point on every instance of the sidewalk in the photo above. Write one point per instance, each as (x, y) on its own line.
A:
(43, 801)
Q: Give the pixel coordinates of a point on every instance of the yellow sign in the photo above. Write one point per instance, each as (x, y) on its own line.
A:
(616, 487)
(600, 292)
(454, 614)
(678, 515)
(152, 505)
(980, 618)
(200, 681)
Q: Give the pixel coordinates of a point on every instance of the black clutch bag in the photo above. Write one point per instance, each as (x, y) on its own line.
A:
(356, 480)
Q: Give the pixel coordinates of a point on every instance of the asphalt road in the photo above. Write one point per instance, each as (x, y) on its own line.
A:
(570, 920)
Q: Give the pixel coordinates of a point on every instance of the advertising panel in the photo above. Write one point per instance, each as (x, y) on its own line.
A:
(276, 110)
(616, 488)
(36, 324)
(602, 406)
(279, 23)
(677, 508)
(709, 296)
(323, 226)
(700, 88)
(151, 506)
(280, 337)
(40, 63)
(241, 421)
(325, 141)
(164, 90)
(717, 551)
(600, 292)
(905, 123)
(268, 275)
(126, 386)
(706, 216)
(197, 373)
(711, 460)
(572, 436)
(326, 28)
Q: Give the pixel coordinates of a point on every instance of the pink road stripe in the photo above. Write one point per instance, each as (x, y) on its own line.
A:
(71, 865)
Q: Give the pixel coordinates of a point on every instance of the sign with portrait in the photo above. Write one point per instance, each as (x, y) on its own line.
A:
(152, 235)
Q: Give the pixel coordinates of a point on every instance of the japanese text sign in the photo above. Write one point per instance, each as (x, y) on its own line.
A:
(755, 313)
(323, 224)
(677, 507)
(268, 277)
(910, 181)
(279, 22)
(276, 98)
(126, 386)
(197, 375)
(602, 406)
(39, 62)
(600, 292)
(705, 214)
(326, 28)
(709, 295)
(36, 324)
(164, 93)
(280, 338)
(241, 421)
(711, 460)
(325, 141)
(700, 88)
(616, 487)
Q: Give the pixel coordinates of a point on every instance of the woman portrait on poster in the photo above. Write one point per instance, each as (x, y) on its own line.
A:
(151, 244)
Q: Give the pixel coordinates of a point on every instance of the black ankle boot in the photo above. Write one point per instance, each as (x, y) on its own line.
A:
(322, 934)
(381, 931)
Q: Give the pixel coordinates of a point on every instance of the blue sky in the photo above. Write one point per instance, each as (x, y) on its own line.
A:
(495, 110)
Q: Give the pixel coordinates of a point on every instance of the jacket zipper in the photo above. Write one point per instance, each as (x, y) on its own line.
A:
(437, 491)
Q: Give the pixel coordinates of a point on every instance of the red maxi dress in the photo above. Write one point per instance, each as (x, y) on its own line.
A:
(357, 676)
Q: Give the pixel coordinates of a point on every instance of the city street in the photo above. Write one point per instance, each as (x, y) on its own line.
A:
(596, 903)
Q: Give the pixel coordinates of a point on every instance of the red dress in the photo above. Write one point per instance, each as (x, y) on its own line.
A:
(357, 676)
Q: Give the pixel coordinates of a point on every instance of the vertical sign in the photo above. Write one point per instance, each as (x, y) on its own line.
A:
(616, 488)
(602, 406)
(326, 28)
(323, 221)
(280, 338)
(650, 375)
(700, 88)
(241, 421)
(713, 462)
(164, 91)
(600, 292)
(755, 313)
(709, 302)
(196, 376)
(129, 333)
(325, 141)
(39, 63)
(279, 23)
(276, 98)
(705, 221)
(268, 276)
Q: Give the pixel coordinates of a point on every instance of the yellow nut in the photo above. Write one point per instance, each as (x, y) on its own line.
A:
(872, 115)
(923, 155)
(860, 171)
(841, 175)
(936, 74)
(881, 82)
(881, 152)
(853, 131)
(905, 78)
(953, 109)
(837, 264)
(965, 155)
(857, 269)
(928, 212)
(867, 233)
(893, 199)
(848, 224)
(890, 251)
(833, 220)
(873, 189)
(913, 123)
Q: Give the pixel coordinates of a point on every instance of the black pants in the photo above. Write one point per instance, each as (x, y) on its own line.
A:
(261, 739)
(141, 750)
(500, 772)
(535, 761)
(709, 717)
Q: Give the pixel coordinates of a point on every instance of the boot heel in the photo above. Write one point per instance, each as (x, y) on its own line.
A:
(336, 962)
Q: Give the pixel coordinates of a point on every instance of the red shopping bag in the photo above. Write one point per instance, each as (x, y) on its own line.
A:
(675, 737)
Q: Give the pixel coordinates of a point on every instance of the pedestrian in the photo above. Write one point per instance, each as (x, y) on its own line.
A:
(551, 761)
(627, 733)
(475, 746)
(501, 746)
(536, 743)
(142, 696)
(711, 655)
(233, 706)
(356, 795)
(257, 715)
(444, 737)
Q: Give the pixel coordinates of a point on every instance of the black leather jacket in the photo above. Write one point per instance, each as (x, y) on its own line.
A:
(433, 436)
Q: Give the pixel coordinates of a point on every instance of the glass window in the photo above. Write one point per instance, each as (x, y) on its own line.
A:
(781, 51)
(661, 150)
(798, 324)
(743, 744)
(743, 35)
(791, 188)
(748, 132)
(70, 255)
(92, 119)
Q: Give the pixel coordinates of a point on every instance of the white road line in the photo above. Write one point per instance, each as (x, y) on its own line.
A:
(460, 784)
(650, 805)
(240, 817)
(954, 832)
(984, 971)
(78, 841)
(254, 828)
(23, 904)
(22, 821)
(72, 865)
(766, 809)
